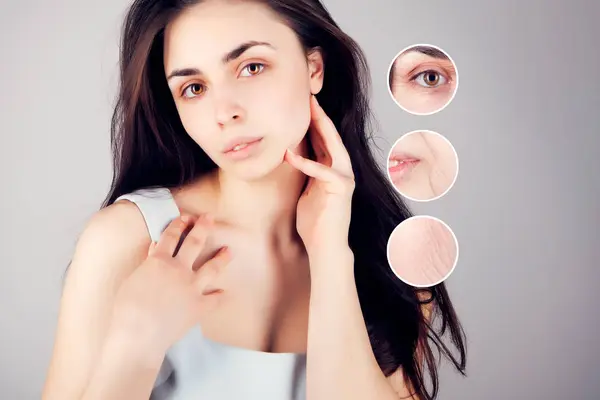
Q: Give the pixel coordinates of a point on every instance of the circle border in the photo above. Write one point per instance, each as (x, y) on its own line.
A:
(389, 69)
(387, 251)
(387, 166)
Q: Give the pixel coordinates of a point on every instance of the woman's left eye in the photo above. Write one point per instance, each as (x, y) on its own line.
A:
(430, 79)
(253, 69)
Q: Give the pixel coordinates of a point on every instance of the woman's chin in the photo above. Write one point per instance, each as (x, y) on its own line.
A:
(254, 169)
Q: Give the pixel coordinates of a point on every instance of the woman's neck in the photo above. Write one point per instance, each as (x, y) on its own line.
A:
(266, 207)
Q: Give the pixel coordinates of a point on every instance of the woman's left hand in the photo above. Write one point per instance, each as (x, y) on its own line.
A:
(324, 209)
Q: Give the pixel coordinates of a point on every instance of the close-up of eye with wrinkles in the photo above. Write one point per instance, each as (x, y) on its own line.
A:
(422, 79)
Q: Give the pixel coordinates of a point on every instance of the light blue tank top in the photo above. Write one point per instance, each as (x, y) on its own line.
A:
(201, 369)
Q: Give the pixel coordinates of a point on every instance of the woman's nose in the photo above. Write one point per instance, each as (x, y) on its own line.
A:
(227, 107)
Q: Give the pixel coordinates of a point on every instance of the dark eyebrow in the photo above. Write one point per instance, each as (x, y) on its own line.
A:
(238, 51)
(228, 57)
(429, 51)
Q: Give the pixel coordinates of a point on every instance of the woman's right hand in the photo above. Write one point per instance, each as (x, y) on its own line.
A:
(159, 302)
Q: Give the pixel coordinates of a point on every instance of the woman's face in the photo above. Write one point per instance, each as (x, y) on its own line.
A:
(422, 165)
(239, 76)
(424, 80)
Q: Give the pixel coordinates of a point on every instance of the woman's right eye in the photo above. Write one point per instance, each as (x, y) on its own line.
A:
(193, 90)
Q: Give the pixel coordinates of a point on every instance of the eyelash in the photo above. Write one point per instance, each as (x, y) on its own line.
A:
(428, 71)
(185, 89)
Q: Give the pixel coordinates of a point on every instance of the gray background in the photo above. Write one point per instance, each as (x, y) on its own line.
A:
(524, 208)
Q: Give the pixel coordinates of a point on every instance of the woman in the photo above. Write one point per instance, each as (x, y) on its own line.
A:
(210, 139)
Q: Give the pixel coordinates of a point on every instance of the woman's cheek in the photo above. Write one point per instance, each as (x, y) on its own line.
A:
(291, 111)
(196, 126)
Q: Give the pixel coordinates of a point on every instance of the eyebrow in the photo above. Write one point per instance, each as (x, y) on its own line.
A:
(429, 51)
(228, 57)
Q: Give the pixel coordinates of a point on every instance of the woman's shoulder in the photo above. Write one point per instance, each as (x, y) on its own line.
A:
(120, 219)
(112, 237)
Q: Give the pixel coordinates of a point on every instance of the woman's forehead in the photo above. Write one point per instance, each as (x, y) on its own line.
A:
(212, 28)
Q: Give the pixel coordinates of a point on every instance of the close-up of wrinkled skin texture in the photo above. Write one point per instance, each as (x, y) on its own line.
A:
(422, 251)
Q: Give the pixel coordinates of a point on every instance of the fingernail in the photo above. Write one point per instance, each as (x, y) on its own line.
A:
(186, 218)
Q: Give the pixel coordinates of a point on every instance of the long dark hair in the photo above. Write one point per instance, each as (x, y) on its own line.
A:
(151, 148)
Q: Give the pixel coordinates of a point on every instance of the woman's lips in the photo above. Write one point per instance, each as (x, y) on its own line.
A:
(399, 167)
(211, 291)
(243, 150)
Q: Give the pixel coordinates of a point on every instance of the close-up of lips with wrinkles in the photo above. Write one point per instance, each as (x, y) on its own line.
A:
(400, 164)
(422, 165)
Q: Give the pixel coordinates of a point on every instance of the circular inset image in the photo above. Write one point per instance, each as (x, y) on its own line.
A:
(422, 165)
(422, 251)
(422, 79)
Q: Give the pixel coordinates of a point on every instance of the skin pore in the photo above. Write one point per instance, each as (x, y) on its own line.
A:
(422, 251)
(423, 80)
(422, 165)
(262, 90)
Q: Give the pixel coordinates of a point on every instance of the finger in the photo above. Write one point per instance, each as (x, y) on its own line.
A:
(170, 237)
(310, 167)
(212, 268)
(193, 243)
(323, 127)
(321, 152)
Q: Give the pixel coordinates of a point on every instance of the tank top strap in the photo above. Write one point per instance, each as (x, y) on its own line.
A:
(157, 207)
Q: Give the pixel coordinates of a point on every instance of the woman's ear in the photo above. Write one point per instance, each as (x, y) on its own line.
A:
(315, 70)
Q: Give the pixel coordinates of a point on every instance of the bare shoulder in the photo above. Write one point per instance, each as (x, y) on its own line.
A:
(116, 233)
(112, 244)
